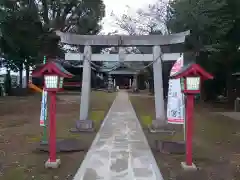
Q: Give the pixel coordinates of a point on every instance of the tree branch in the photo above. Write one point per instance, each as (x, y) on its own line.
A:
(45, 12)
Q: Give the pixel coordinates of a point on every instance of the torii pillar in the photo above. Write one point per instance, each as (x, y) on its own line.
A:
(86, 83)
(158, 88)
(84, 124)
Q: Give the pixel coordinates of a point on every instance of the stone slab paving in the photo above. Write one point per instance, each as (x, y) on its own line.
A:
(233, 115)
(120, 150)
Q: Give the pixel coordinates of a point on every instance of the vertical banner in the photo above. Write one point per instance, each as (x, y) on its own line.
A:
(175, 104)
(43, 115)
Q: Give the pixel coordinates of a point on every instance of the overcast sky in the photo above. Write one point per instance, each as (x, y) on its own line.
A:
(118, 7)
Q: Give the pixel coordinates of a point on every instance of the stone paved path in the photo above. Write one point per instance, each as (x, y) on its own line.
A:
(120, 150)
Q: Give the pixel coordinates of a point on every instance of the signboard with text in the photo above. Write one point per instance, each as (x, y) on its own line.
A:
(43, 115)
(175, 104)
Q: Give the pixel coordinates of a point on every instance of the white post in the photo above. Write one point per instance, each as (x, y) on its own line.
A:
(110, 83)
(135, 82)
(158, 86)
(121, 54)
(136, 79)
(86, 83)
(114, 82)
(130, 82)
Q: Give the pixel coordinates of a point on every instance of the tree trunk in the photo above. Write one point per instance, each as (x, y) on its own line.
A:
(27, 74)
(8, 82)
(230, 91)
(229, 80)
(20, 76)
(151, 85)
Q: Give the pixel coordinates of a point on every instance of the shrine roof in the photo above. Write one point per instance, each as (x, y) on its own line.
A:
(51, 67)
(192, 69)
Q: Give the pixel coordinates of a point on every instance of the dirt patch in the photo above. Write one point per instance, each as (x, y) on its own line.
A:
(20, 132)
(215, 144)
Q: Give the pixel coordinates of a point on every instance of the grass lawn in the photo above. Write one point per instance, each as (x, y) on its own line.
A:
(20, 131)
(216, 144)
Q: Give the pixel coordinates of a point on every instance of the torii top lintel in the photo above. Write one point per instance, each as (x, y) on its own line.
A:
(122, 40)
(192, 69)
(52, 68)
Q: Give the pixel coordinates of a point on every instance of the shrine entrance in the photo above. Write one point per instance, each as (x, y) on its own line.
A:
(123, 81)
(163, 48)
(122, 77)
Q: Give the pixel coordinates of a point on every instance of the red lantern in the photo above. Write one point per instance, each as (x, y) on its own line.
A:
(191, 77)
(53, 82)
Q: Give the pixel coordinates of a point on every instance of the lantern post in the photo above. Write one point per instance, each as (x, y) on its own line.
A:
(54, 75)
(191, 77)
(53, 83)
(191, 87)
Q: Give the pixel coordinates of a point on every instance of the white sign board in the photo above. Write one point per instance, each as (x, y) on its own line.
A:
(175, 104)
(43, 115)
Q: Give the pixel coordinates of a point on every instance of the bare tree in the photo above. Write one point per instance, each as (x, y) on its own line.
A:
(145, 21)
(157, 15)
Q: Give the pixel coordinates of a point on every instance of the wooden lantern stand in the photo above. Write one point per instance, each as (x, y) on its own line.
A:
(192, 75)
(53, 74)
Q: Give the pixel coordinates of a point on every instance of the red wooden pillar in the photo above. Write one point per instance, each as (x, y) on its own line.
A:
(52, 133)
(189, 128)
